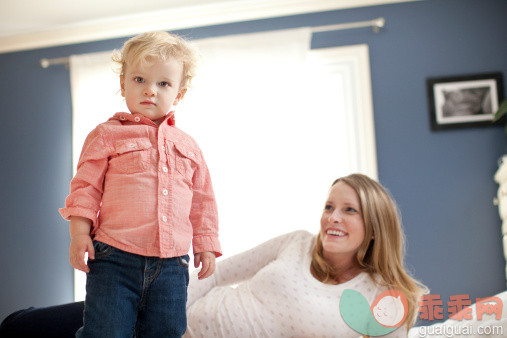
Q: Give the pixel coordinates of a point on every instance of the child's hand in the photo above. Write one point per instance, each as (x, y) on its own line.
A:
(80, 242)
(208, 264)
(79, 245)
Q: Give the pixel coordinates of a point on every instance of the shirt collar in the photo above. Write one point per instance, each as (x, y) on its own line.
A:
(139, 118)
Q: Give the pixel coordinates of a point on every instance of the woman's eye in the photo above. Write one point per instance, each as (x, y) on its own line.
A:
(350, 209)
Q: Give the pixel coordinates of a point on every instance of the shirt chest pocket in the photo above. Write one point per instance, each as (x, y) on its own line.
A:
(132, 156)
(185, 160)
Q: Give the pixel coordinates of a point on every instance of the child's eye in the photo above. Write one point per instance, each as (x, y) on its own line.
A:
(164, 84)
(138, 79)
(328, 207)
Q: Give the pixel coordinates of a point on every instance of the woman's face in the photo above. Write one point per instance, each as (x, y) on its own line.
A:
(341, 225)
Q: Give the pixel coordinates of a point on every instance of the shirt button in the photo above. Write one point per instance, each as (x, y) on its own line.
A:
(163, 148)
(191, 154)
(165, 169)
(137, 119)
(164, 218)
(122, 118)
(132, 145)
(165, 192)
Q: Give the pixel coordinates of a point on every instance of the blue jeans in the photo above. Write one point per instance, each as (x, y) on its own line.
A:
(130, 295)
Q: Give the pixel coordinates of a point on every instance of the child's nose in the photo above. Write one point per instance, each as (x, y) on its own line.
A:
(149, 90)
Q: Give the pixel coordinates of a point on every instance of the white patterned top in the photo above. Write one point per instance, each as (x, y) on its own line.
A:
(275, 296)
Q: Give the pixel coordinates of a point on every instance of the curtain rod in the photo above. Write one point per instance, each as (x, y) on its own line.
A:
(45, 63)
(376, 24)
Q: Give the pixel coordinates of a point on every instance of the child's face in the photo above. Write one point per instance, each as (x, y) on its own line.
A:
(152, 89)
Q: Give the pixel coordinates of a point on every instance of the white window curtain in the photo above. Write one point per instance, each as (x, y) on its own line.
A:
(277, 123)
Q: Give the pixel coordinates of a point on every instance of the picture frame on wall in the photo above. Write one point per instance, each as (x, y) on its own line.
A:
(464, 101)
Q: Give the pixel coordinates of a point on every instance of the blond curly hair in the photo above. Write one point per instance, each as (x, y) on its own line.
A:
(144, 48)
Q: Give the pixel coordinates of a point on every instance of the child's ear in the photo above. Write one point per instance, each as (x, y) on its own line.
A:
(180, 96)
(122, 85)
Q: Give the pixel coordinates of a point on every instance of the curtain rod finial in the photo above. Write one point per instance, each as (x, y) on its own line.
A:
(44, 63)
(378, 23)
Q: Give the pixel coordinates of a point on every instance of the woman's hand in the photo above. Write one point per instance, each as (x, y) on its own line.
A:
(207, 259)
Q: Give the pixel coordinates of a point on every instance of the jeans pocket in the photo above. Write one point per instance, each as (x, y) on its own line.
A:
(101, 249)
(183, 261)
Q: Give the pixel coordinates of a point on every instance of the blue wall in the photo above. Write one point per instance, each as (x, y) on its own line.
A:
(442, 180)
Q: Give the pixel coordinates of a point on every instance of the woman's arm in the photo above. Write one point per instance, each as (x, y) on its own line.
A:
(238, 268)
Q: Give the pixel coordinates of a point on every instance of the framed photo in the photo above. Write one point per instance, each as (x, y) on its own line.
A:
(464, 101)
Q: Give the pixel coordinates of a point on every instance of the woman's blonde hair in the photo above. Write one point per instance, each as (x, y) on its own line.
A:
(144, 48)
(383, 249)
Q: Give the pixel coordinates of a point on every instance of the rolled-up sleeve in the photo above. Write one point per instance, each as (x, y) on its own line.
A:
(86, 187)
(203, 213)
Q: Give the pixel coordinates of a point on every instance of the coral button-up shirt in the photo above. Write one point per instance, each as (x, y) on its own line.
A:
(146, 189)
